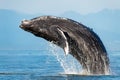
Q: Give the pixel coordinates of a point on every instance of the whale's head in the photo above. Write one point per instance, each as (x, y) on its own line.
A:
(45, 27)
(41, 27)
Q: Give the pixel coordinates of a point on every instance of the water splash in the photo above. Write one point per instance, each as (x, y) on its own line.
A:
(67, 62)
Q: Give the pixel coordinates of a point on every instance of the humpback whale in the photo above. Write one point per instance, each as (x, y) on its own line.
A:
(75, 39)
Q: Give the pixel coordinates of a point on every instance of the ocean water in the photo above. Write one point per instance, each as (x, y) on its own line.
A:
(48, 65)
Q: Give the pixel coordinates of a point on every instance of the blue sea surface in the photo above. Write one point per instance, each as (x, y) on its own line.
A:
(43, 65)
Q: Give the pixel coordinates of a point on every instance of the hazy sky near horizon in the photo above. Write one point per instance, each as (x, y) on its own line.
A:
(59, 6)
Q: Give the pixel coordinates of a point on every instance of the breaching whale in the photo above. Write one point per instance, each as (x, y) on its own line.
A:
(75, 38)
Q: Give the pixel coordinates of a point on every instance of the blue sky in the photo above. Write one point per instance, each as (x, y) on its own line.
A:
(59, 6)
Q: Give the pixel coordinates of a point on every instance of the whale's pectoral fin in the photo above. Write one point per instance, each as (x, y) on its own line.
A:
(66, 46)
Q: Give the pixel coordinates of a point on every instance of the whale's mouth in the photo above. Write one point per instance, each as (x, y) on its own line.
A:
(25, 24)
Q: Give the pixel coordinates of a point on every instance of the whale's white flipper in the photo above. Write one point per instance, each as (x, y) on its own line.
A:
(66, 47)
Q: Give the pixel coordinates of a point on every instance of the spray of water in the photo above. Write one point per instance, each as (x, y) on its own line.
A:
(67, 62)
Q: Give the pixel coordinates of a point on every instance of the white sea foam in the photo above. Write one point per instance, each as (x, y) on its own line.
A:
(68, 63)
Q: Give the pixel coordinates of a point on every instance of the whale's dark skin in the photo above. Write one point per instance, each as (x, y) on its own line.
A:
(80, 41)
